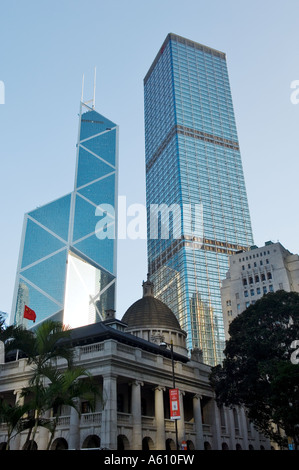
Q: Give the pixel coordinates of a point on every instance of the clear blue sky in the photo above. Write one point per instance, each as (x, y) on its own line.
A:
(46, 46)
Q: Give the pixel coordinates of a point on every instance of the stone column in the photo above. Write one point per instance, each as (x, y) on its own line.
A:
(159, 415)
(44, 434)
(243, 427)
(15, 442)
(232, 431)
(199, 443)
(136, 415)
(74, 432)
(109, 414)
(2, 352)
(216, 426)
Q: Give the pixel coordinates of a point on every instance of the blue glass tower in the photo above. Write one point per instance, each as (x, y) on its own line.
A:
(67, 269)
(193, 159)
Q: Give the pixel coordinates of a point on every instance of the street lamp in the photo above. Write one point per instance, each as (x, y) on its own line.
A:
(164, 345)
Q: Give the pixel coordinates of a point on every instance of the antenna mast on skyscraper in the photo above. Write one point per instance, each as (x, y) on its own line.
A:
(82, 88)
(94, 91)
(94, 88)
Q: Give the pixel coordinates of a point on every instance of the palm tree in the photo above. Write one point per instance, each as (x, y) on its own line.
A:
(15, 337)
(66, 388)
(40, 346)
(56, 389)
(48, 343)
(49, 387)
(37, 395)
(12, 417)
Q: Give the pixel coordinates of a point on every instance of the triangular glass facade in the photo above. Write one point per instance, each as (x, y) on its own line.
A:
(66, 271)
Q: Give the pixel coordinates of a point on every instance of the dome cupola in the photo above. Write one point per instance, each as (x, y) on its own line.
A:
(149, 318)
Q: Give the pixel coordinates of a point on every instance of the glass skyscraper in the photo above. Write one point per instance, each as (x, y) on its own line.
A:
(67, 268)
(193, 160)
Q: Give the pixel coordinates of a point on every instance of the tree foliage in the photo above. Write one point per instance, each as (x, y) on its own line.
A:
(258, 371)
(50, 387)
(12, 416)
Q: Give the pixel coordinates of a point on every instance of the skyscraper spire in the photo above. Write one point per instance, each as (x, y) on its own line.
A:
(93, 100)
(82, 89)
(94, 88)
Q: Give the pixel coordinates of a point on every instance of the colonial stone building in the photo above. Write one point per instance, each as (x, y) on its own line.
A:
(134, 371)
(254, 273)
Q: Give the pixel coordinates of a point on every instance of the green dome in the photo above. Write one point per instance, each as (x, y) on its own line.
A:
(149, 312)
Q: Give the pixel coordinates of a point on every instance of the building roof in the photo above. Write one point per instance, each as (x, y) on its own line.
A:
(101, 331)
(98, 332)
(188, 42)
(149, 312)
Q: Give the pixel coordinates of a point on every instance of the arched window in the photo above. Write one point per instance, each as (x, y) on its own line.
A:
(190, 445)
(59, 444)
(170, 444)
(30, 445)
(147, 443)
(122, 442)
(91, 442)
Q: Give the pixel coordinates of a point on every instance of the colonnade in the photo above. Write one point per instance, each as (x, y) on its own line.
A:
(109, 417)
(235, 426)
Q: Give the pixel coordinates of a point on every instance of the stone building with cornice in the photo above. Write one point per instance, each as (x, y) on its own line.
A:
(134, 367)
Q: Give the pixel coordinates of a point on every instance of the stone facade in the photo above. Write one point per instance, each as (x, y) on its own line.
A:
(134, 377)
(253, 274)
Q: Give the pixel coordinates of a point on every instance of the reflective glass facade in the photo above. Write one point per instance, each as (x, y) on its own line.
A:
(66, 270)
(193, 157)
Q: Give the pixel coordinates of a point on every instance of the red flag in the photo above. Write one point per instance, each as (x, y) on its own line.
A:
(29, 313)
